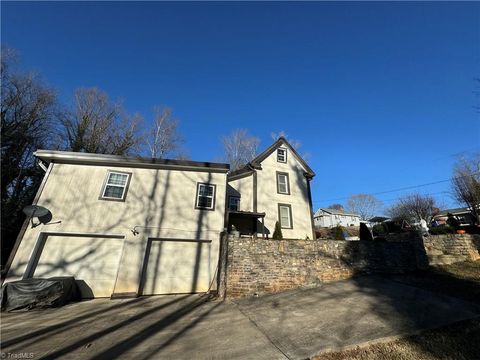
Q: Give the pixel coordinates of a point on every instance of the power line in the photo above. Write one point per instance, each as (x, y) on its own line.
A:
(430, 161)
(403, 188)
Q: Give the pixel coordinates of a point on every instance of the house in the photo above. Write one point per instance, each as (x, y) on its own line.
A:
(331, 218)
(128, 226)
(275, 186)
(125, 226)
(463, 215)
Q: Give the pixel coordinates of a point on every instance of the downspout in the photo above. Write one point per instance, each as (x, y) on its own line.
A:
(310, 205)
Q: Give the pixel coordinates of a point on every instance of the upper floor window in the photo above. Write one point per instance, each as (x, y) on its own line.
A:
(115, 187)
(282, 155)
(205, 197)
(283, 186)
(234, 203)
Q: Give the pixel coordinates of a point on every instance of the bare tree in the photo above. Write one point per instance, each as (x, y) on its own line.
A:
(296, 144)
(414, 207)
(239, 148)
(338, 207)
(466, 183)
(98, 125)
(365, 205)
(164, 138)
(28, 110)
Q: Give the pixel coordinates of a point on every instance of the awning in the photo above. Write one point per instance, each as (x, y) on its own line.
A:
(251, 214)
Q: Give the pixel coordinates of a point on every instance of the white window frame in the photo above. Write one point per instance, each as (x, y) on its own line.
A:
(284, 155)
(290, 216)
(124, 187)
(212, 207)
(287, 183)
(230, 198)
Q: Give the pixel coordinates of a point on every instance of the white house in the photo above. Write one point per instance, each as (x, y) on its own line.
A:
(128, 226)
(331, 218)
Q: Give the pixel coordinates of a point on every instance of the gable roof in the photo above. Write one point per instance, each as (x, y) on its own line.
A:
(455, 211)
(255, 163)
(333, 212)
(68, 157)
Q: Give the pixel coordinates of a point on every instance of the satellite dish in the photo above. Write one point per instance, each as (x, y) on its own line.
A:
(35, 211)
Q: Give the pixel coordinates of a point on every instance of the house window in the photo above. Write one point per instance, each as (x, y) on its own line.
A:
(285, 216)
(282, 155)
(234, 203)
(205, 196)
(115, 187)
(283, 186)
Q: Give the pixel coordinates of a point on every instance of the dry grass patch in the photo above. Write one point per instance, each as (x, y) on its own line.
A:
(460, 342)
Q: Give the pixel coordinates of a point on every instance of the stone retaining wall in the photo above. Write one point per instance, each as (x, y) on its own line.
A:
(264, 266)
(450, 248)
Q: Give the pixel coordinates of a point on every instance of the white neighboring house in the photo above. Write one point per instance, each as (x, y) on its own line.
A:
(331, 218)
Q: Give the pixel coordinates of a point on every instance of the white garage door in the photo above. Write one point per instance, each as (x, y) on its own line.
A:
(177, 266)
(92, 260)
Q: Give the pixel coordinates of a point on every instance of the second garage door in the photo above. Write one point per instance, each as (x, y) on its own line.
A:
(177, 266)
(93, 261)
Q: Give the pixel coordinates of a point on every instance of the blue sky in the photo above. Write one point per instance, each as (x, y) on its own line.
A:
(381, 95)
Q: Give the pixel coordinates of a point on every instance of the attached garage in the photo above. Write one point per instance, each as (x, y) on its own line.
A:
(92, 260)
(174, 266)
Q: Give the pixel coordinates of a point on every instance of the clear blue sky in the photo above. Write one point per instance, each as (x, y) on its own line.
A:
(381, 95)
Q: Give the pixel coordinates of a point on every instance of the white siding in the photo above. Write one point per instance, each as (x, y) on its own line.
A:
(159, 203)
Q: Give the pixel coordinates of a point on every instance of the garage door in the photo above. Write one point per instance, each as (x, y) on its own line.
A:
(92, 260)
(177, 266)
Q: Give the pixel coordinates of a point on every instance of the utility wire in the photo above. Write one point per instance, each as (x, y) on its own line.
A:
(403, 188)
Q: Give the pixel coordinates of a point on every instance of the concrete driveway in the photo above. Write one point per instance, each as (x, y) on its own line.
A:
(292, 325)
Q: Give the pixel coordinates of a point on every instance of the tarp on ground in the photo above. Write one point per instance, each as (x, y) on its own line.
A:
(28, 294)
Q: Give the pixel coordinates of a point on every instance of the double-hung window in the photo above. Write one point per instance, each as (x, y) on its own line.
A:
(205, 197)
(234, 203)
(116, 185)
(285, 216)
(283, 186)
(282, 155)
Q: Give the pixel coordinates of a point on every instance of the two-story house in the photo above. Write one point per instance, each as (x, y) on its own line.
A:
(126, 226)
(275, 186)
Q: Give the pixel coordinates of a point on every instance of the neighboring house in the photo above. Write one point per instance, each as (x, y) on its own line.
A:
(125, 226)
(275, 186)
(463, 215)
(331, 218)
(377, 220)
(130, 226)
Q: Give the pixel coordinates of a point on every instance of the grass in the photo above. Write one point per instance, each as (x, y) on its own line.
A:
(460, 280)
(460, 341)
(468, 270)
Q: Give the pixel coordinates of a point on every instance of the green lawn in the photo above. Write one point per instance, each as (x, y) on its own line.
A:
(460, 341)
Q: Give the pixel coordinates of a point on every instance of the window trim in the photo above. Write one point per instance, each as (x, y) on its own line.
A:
(278, 183)
(213, 196)
(125, 189)
(285, 153)
(233, 197)
(289, 213)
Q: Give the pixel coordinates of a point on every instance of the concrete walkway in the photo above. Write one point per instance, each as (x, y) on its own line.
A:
(292, 325)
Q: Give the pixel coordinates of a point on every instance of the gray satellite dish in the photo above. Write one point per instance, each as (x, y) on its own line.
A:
(37, 211)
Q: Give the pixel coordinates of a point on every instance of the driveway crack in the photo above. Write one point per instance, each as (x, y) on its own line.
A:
(261, 330)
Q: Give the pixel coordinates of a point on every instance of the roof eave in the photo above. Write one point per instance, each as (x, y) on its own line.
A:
(124, 161)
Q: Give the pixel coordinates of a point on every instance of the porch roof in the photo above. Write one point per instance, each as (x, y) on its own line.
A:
(248, 214)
